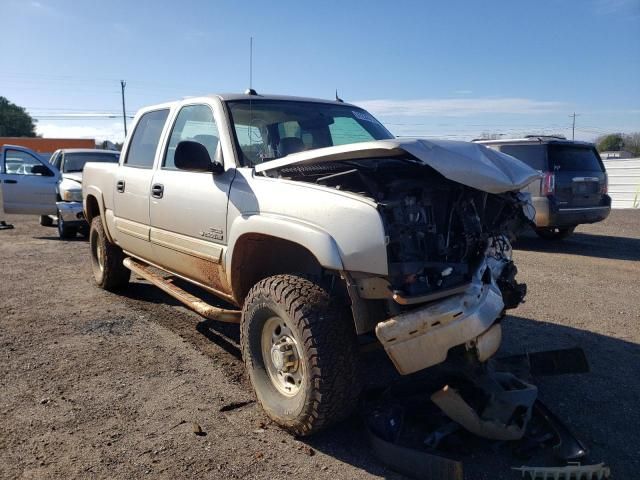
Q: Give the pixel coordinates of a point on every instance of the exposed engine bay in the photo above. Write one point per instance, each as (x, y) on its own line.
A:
(437, 230)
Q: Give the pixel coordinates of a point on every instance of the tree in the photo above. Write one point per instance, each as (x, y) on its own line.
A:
(610, 143)
(15, 121)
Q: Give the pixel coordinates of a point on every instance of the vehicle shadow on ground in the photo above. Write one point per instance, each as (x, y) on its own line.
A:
(78, 238)
(224, 335)
(600, 407)
(591, 245)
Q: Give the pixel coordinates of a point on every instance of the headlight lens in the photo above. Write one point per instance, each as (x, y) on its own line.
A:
(72, 195)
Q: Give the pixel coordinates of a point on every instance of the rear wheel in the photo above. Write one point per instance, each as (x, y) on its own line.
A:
(106, 259)
(65, 231)
(300, 351)
(555, 233)
(46, 220)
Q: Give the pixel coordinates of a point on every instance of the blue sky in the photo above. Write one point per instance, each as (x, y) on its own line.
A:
(450, 68)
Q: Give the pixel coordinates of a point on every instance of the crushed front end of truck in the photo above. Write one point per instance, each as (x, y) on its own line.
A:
(449, 212)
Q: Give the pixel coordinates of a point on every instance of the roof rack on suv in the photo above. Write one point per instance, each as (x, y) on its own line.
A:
(559, 137)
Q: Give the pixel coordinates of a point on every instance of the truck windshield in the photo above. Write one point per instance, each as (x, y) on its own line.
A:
(269, 129)
(74, 162)
(574, 158)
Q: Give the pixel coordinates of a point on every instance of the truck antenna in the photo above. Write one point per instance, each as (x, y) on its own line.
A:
(250, 90)
(338, 99)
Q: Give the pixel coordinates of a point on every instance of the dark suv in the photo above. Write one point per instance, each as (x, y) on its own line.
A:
(573, 186)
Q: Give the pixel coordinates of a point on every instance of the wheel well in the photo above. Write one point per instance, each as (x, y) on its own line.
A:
(257, 256)
(92, 208)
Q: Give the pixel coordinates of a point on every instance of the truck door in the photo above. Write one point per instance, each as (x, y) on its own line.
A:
(133, 184)
(28, 183)
(188, 208)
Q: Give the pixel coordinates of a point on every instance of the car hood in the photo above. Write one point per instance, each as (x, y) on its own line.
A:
(75, 176)
(467, 163)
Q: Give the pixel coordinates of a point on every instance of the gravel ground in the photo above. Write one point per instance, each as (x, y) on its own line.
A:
(95, 385)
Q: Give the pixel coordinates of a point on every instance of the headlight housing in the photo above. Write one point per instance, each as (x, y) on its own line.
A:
(71, 195)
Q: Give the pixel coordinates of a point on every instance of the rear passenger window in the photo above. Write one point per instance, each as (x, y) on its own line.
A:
(574, 158)
(533, 155)
(143, 145)
(194, 123)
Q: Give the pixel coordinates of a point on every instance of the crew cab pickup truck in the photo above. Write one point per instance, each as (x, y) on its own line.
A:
(318, 226)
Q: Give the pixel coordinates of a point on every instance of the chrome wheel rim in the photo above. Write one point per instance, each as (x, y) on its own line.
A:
(281, 355)
(97, 250)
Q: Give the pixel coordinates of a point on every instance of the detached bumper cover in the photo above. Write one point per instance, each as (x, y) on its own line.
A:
(422, 338)
(71, 212)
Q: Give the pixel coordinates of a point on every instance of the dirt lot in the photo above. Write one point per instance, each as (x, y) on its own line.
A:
(95, 385)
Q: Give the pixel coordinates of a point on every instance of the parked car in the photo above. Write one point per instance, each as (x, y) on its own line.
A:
(318, 226)
(573, 186)
(28, 182)
(70, 162)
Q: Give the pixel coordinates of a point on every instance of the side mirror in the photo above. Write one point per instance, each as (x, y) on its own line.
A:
(41, 170)
(194, 157)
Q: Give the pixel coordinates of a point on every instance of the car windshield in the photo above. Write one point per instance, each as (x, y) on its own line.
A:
(574, 158)
(74, 162)
(270, 129)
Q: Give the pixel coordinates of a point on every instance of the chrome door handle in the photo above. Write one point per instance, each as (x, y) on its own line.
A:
(120, 186)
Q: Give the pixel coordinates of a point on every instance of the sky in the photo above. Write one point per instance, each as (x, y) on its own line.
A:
(448, 69)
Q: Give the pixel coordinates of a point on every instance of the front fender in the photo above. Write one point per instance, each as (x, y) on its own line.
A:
(317, 241)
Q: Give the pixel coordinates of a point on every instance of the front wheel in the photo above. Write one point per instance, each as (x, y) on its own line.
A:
(555, 233)
(106, 259)
(46, 220)
(300, 351)
(65, 231)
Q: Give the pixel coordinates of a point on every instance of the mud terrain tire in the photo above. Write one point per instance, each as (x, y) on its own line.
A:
(106, 259)
(319, 333)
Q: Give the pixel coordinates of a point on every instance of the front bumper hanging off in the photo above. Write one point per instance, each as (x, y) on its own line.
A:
(422, 338)
(71, 212)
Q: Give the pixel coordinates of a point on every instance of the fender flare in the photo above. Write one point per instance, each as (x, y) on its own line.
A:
(321, 245)
(95, 192)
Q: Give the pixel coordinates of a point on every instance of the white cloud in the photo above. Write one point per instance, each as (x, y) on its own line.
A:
(111, 131)
(608, 7)
(458, 107)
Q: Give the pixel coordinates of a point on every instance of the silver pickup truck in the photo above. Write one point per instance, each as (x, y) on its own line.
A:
(321, 230)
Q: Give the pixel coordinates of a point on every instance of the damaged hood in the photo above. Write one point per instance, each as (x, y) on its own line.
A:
(75, 176)
(469, 164)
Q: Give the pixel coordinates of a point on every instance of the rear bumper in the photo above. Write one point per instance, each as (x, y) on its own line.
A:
(71, 212)
(422, 338)
(548, 214)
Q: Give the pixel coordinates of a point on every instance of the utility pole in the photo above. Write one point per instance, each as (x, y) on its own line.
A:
(573, 129)
(124, 114)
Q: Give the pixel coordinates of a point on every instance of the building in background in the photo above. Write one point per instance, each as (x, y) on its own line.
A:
(46, 146)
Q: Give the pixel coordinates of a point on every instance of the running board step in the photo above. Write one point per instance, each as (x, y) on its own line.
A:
(194, 303)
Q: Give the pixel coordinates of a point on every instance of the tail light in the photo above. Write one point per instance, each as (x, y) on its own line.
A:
(604, 186)
(548, 184)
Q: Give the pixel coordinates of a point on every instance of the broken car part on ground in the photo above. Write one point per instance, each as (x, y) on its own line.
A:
(426, 434)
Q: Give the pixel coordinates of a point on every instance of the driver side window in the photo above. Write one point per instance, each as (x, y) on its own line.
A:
(194, 123)
(18, 162)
